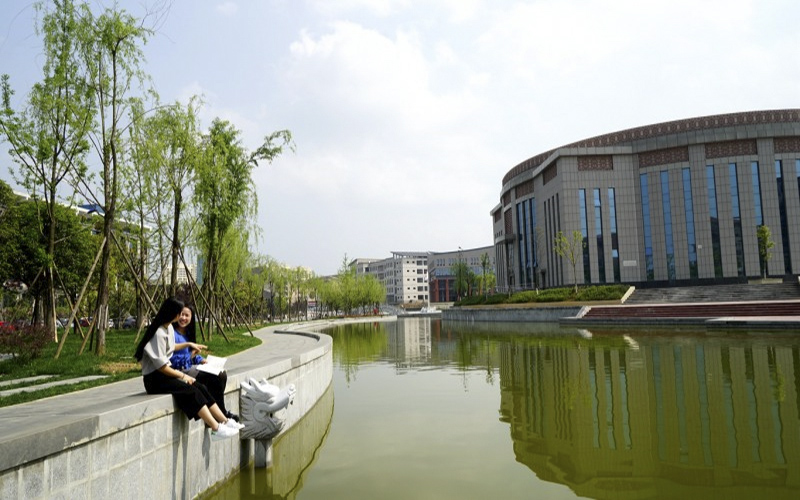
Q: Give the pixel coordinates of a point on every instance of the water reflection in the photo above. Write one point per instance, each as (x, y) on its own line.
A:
(607, 415)
(656, 415)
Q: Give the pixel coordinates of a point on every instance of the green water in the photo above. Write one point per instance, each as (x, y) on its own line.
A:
(419, 409)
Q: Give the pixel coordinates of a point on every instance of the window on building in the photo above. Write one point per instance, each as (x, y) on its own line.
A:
(737, 220)
(714, 220)
(669, 243)
(612, 216)
(688, 206)
(648, 236)
(587, 270)
(598, 233)
(787, 253)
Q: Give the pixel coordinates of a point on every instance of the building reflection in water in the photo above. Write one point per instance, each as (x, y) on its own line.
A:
(656, 416)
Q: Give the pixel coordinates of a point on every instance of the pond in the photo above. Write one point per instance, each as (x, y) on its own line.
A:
(424, 409)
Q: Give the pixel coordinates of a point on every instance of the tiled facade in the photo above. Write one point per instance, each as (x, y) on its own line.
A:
(677, 202)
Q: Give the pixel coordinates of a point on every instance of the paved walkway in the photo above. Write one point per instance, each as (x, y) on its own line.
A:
(46, 385)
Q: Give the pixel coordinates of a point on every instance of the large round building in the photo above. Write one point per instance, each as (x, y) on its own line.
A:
(679, 202)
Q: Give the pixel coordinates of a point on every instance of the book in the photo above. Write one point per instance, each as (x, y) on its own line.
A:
(213, 365)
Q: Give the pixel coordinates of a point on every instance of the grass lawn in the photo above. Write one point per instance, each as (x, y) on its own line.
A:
(117, 364)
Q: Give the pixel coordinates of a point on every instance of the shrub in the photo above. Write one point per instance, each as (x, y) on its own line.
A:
(555, 295)
(604, 292)
(523, 297)
(24, 342)
(496, 299)
(470, 301)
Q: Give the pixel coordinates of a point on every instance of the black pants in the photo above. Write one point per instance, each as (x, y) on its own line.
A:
(216, 386)
(189, 398)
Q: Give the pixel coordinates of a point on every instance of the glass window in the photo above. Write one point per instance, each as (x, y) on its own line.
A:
(754, 171)
(587, 271)
(737, 220)
(612, 215)
(714, 220)
(666, 207)
(648, 237)
(787, 253)
(598, 233)
(688, 206)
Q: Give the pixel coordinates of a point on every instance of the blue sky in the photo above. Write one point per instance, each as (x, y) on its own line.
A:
(407, 114)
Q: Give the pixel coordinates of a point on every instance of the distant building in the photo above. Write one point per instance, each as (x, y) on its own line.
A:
(404, 276)
(672, 203)
(182, 276)
(440, 274)
(362, 265)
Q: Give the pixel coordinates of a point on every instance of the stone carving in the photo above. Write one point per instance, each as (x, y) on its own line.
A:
(262, 408)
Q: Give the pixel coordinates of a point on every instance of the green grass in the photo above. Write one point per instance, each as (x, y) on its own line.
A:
(117, 363)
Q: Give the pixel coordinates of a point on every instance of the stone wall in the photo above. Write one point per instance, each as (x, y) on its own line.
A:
(510, 314)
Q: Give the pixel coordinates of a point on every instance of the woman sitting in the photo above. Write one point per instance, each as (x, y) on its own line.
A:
(154, 351)
(187, 357)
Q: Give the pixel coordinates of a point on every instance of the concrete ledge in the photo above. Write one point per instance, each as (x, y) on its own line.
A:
(511, 314)
(117, 441)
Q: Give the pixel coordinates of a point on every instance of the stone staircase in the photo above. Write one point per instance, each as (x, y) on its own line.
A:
(749, 292)
(713, 301)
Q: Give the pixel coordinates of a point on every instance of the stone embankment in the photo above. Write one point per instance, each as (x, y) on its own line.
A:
(116, 441)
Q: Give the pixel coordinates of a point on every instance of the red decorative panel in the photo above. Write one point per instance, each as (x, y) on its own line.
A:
(507, 198)
(524, 189)
(596, 162)
(731, 148)
(787, 144)
(549, 174)
(509, 224)
(663, 156)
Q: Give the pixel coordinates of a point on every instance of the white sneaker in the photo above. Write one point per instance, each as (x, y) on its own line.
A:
(223, 432)
(233, 424)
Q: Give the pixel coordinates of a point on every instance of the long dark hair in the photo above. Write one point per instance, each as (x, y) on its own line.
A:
(169, 309)
(191, 329)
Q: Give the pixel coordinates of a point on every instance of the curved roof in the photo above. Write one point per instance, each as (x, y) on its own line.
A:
(677, 126)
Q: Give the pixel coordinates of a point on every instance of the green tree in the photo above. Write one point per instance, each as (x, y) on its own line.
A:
(765, 245)
(48, 137)
(165, 144)
(24, 249)
(224, 191)
(111, 48)
(485, 262)
(568, 248)
(464, 278)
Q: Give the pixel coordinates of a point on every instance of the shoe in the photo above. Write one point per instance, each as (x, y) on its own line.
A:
(232, 416)
(223, 432)
(233, 424)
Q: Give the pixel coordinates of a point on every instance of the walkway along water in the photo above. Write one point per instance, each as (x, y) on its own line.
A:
(117, 441)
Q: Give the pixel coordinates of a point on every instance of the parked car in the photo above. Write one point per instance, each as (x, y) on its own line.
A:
(129, 322)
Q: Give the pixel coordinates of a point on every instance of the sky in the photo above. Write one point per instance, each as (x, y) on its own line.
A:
(407, 114)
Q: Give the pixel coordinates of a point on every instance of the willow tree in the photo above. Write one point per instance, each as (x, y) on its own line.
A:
(47, 137)
(224, 193)
(111, 48)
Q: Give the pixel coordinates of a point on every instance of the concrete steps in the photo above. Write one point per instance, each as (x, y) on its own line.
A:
(709, 310)
(750, 292)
